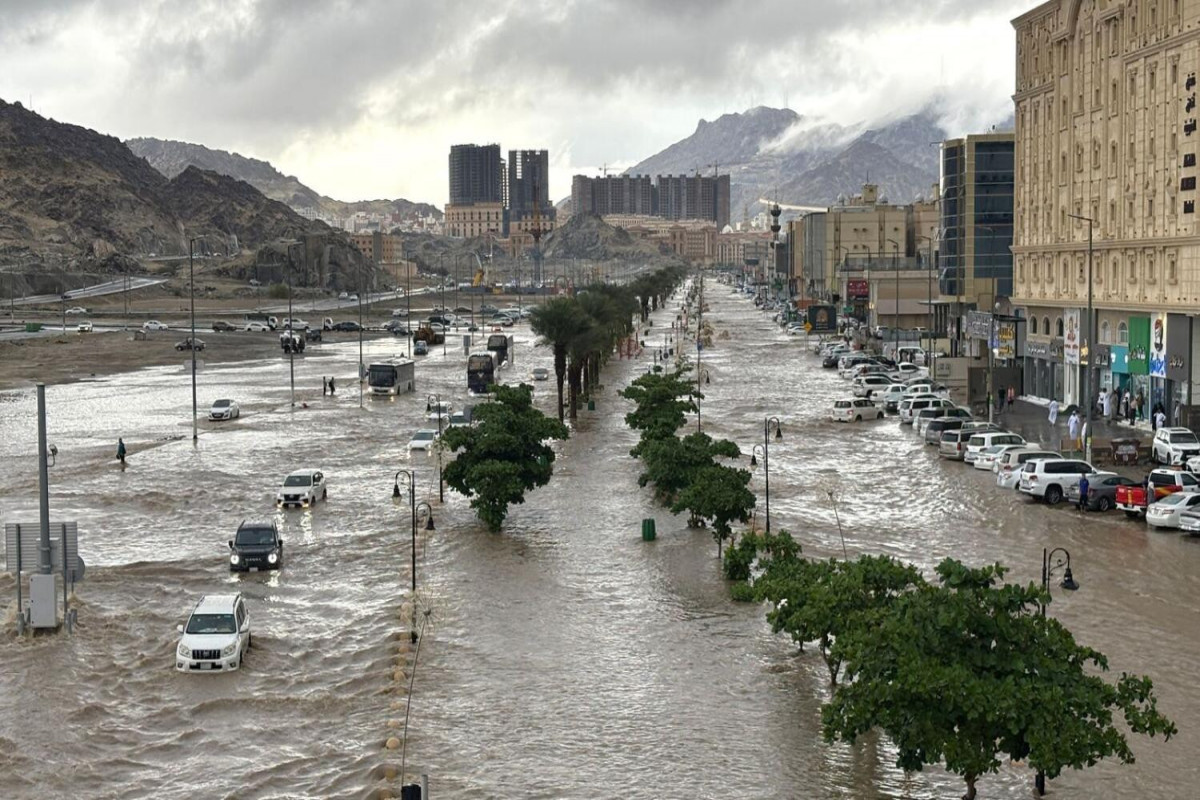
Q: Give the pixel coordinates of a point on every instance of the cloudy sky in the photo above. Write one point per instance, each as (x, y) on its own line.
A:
(362, 98)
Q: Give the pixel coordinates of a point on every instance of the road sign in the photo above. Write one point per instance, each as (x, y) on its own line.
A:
(808, 327)
(22, 541)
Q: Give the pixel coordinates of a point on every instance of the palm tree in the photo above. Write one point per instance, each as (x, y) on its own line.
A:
(559, 323)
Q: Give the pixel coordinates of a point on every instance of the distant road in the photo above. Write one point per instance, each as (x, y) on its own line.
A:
(99, 290)
(335, 304)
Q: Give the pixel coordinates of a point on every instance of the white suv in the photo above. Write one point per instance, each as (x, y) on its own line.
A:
(1009, 465)
(302, 488)
(1174, 446)
(909, 410)
(216, 636)
(1048, 478)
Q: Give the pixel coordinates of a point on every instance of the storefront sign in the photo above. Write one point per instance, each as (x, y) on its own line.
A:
(823, 319)
(1179, 334)
(1006, 340)
(1071, 336)
(857, 288)
(979, 325)
(1056, 349)
(1158, 345)
(1120, 359)
(1036, 349)
(1103, 355)
(1139, 345)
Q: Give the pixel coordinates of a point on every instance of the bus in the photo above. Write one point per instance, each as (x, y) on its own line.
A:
(391, 377)
(481, 372)
(501, 346)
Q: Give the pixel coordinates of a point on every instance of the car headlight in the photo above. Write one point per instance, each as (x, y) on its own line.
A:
(234, 558)
(272, 558)
(228, 651)
(184, 650)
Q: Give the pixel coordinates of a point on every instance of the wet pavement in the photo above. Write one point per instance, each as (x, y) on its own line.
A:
(565, 657)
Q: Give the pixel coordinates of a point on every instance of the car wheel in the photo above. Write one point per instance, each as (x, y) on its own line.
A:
(1054, 495)
(858, 417)
(1104, 504)
(1132, 514)
(249, 640)
(325, 495)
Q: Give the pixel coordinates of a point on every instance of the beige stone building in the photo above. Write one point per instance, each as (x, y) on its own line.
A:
(465, 221)
(1106, 129)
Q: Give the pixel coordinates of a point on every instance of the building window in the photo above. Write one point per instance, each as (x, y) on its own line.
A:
(1150, 276)
(1046, 325)
(1171, 278)
(1058, 328)
(1122, 333)
(1188, 184)
(1033, 325)
(1104, 333)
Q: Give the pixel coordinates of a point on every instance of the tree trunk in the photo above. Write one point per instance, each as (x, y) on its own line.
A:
(573, 382)
(831, 663)
(970, 795)
(560, 374)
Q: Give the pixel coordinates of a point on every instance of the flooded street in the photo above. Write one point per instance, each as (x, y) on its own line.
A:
(565, 658)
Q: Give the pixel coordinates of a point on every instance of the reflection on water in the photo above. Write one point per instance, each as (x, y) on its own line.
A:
(565, 658)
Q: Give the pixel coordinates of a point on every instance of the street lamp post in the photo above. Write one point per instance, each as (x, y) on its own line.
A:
(701, 372)
(768, 424)
(1091, 340)
(192, 341)
(896, 307)
(929, 303)
(423, 508)
(289, 327)
(1068, 583)
(429, 406)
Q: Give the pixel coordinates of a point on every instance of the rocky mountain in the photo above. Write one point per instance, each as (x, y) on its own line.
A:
(777, 153)
(171, 158)
(587, 236)
(75, 197)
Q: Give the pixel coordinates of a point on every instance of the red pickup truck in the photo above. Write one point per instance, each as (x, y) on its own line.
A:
(1133, 500)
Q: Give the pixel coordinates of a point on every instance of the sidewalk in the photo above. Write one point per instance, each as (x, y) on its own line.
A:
(1031, 420)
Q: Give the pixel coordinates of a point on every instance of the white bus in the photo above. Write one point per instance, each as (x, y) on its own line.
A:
(391, 377)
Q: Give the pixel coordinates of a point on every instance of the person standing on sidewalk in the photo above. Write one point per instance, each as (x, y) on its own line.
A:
(1073, 429)
(1160, 418)
(1053, 412)
(1139, 405)
(1012, 395)
(1083, 493)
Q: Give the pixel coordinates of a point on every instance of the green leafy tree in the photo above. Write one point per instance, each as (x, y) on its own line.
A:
(717, 495)
(505, 455)
(558, 323)
(970, 670)
(820, 601)
(662, 403)
(671, 463)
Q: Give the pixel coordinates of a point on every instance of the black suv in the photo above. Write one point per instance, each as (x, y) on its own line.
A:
(256, 546)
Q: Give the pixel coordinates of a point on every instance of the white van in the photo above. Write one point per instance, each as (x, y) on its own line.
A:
(909, 412)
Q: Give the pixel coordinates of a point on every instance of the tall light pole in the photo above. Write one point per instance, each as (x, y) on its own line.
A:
(1068, 583)
(769, 424)
(410, 483)
(1091, 340)
(701, 372)
(929, 303)
(896, 308)
(429, 406)
(289, 327)
(192, 341)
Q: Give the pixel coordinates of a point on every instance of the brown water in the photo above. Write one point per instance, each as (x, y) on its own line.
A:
(565, 657)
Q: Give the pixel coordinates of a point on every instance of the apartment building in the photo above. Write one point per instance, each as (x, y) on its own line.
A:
(1106, 131)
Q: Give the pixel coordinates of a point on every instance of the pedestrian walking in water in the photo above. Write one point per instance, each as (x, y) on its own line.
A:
(1012, 395)
(1053, 412)
(121, 450)
(1083, 493)
(330, 385)
(1073, 429)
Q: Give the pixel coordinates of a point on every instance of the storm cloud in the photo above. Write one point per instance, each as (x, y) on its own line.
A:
(362, 98)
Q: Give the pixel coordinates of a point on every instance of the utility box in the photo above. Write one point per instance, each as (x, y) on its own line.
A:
(43, 601)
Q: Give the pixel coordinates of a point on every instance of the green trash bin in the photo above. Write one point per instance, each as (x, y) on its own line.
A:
(648, 532)
(33, 327)
(591, 405)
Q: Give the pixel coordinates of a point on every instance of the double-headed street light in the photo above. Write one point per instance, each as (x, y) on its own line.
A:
(1049, 567)
(431, 402)
(192, 341)
(768, 424)
(422, 508)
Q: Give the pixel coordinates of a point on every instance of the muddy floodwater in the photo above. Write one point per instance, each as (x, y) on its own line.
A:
(564, 657)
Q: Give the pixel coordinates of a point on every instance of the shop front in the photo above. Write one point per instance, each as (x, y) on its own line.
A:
(1139, 362)
(1043, 376)
(1120, 368)
(1178, 368)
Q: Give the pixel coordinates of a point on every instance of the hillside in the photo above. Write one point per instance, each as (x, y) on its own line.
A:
(72, 197)
(587, 236)
(171, 158)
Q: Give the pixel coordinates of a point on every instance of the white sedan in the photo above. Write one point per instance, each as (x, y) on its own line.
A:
(541, 374)
(84, 327)
(502, 320)
(257, 327)
(855, 410)
(989, 457)
(153, 325)
(224, 409)
(1165, 513)
(76, 310)
(422, 439)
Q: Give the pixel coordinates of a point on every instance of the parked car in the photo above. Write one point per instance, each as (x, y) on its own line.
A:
(488, 310)
(502, 320)
(855, 410)
(295, 323)
(1165, 513)
(1102, 490)
(979, 441)
(224, 409)
(84, 327)
(953, 444)
(439, 410)
(934, 412)
(346, 326)
(76, 310)
(302, 488)
(541, 374)
(934, 429)
(399, 312)
(396, 327)
(1010, 464)
(255, 546)
(221, 326)
(1134, 500)
(889, 396)
(1189, 521)
(1174, 446)
(1048, 478)
(422, 439)
(216, 636)
(257, 327)
(989, 457)
(153, 325)
(190, 344)
(866, 385)
(910, 408)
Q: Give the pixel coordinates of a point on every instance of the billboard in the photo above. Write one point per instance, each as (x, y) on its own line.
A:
(1139, 345)
(858, 288)
(1179, 337)
(1071, 336)
(1006, 340)
(1158, 345)
(822, 319)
